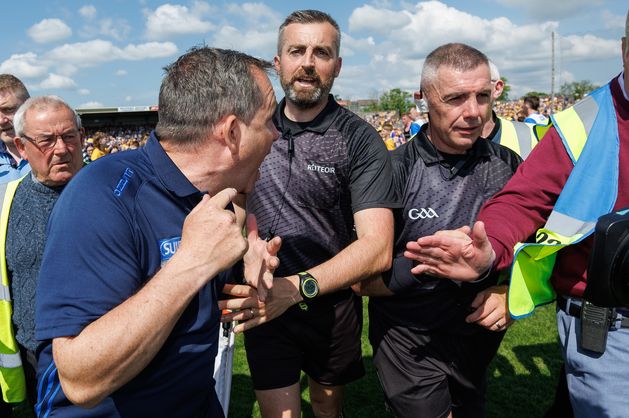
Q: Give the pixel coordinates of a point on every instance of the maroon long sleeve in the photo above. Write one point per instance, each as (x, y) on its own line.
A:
(524, 204)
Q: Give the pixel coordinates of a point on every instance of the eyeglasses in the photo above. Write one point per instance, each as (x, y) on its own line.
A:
(46, 143)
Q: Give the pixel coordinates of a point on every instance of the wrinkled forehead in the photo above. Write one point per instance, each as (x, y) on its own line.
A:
(309, 34)
(453, 78)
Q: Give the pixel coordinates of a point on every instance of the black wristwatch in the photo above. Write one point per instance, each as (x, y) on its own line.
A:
(308, 286)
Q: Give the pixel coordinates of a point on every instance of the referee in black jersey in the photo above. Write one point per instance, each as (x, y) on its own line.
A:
(433, 338)
(326, 189)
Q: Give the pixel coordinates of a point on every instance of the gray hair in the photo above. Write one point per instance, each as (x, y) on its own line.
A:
(204, 85)
(12, 83)
(41, 103)
(459, 57)
(305, 17)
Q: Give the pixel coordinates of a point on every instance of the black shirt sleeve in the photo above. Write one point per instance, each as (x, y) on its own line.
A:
(370, 174)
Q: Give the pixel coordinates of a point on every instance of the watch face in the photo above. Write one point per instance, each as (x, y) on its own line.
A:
(310, 288)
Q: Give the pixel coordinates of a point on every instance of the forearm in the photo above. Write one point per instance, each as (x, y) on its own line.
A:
(368, 256)
(115, 348)
(372, 286)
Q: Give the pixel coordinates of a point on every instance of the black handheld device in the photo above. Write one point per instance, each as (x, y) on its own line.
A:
(595, 322)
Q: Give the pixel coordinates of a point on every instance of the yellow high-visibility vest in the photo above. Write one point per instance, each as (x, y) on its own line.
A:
(520, 137)
(589, 131)
(12, 380)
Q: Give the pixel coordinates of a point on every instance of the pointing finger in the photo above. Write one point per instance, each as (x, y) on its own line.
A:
(222, 198)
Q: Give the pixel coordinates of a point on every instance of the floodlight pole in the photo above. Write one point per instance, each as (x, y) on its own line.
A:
(552, 72)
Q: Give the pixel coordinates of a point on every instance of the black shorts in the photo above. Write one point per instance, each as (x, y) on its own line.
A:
(427, 374)
(323, 341)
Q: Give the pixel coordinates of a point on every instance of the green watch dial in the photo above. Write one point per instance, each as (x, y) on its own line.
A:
(310, 287)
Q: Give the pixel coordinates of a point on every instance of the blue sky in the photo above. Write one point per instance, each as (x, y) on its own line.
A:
(112, 53)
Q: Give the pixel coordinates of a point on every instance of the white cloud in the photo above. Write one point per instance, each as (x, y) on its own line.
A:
(88, 11)
(91, 53)
(393, 58)
(90, 105)
(258, 36)
(255, 13)
(202, 8)
(83, 92)
(170, 19)
(128, 98)
(49, 30)
(544, 9)
(24, 66)
(56, 81)
(613, 21)
(376, 19)
(257, 42)
(576, 48)
(121, 73)
(118, 30)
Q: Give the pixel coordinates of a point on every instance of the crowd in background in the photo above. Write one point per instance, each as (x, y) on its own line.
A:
(512, 110)
(111, 139)
(393, 128)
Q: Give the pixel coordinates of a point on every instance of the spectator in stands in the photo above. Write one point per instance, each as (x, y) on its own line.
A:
(99, 145)
(410, 126)
(12, 94)
(531, 109)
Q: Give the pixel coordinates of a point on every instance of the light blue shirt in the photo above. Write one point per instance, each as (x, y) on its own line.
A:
(9, 169)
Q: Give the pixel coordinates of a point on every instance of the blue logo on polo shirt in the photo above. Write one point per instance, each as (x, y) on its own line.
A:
(124, 180)
(167, 248)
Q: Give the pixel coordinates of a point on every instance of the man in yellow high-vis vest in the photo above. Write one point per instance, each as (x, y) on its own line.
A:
(48, 135)
(518, 136)
(578, 172)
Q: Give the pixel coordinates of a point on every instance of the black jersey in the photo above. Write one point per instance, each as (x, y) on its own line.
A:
(337, 165)
(440, 191)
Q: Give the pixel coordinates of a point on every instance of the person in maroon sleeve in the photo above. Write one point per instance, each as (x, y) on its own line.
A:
(595, 380)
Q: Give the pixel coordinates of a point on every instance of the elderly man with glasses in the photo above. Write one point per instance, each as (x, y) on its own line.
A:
(48, 135)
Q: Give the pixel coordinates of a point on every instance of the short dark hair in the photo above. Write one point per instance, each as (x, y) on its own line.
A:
(13, 84)
(532, 102)
(304, 17)
(457, 56)
(204, 85)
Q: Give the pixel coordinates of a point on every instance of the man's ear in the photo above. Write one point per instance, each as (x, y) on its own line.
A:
(499, 87)
(229, 131)
(276, 63)
(20, 147)
(337, 69)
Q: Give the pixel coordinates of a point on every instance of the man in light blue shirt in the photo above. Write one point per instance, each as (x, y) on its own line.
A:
(12, 94)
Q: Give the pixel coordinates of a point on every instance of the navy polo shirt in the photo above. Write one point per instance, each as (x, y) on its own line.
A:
(116, 223)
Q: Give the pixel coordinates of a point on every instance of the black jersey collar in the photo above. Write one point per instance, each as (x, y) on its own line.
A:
(319, 125)
(429, 153)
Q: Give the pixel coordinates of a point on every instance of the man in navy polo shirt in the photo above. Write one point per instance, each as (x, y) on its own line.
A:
(137, 253)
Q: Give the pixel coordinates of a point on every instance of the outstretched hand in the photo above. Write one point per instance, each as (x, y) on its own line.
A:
(453, 254)
(261, 260)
